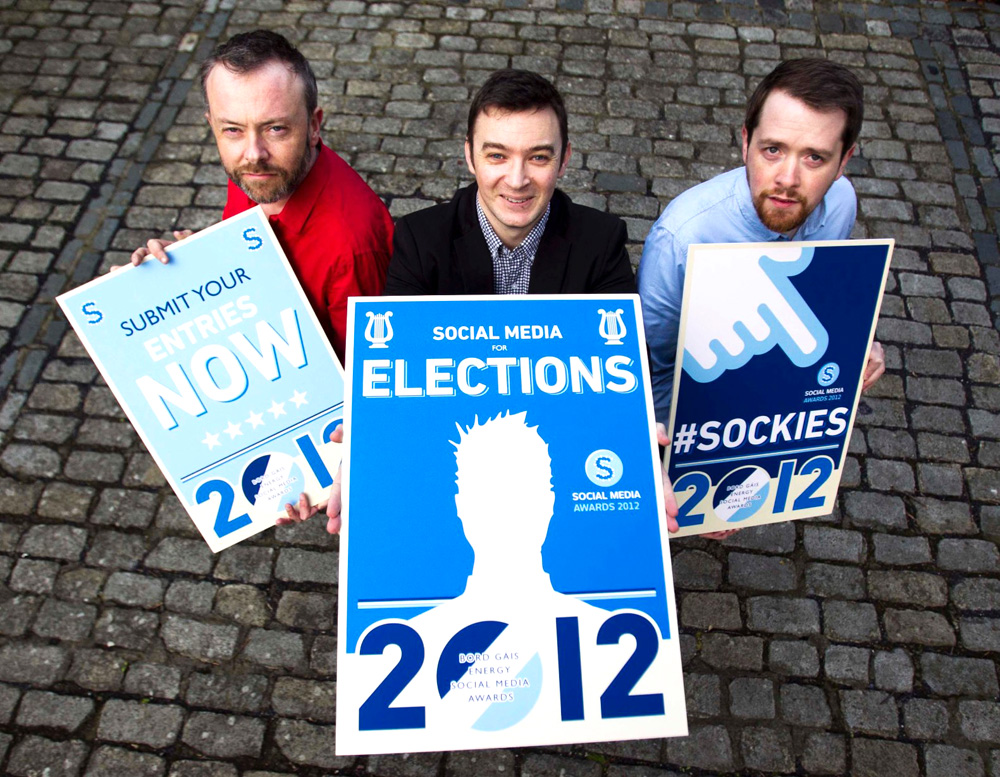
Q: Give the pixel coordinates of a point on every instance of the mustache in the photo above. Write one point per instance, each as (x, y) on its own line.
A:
(785, 194)
(258, 169)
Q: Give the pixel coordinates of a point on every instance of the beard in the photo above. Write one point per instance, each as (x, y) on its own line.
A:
(283, 182)
(786, 220)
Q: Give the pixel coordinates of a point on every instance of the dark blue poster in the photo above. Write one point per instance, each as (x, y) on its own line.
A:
(773, 343)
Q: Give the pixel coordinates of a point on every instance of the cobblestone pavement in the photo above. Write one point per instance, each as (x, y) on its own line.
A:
(865, 643)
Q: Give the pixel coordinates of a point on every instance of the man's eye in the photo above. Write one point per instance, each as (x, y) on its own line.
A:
(495, 157)
(541, 158)
(277, 128)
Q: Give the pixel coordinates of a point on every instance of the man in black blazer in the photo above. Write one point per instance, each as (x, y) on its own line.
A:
(512, 231)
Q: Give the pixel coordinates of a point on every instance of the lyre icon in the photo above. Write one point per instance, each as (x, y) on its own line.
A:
(612, 328)
(379, 330)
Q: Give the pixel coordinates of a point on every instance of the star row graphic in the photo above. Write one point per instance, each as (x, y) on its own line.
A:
(235, 429)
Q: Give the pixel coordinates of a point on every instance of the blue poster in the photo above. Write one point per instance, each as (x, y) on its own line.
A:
(221, 366)
(773, 343)
(503, 577)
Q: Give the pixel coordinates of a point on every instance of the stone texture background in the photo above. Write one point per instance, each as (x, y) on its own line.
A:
(865, 643)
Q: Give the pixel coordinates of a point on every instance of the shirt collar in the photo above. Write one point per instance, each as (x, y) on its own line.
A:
(744, 201)
(529, 244)
(300, 204)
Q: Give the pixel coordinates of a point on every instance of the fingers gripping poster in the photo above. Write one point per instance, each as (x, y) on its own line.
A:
(773, 344)
(503, 578)
(219, 362)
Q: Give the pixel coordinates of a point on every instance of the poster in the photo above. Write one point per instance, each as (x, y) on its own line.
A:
(503, 574)
(773, 342)
(221, 366)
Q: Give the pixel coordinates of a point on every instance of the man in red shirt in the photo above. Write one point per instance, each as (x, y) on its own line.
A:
(335, 231)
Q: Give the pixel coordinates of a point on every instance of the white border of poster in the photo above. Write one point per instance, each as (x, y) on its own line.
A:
(773, 343)
(504, 579)
(219, 362)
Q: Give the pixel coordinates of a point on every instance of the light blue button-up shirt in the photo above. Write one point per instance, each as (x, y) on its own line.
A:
(717, 211)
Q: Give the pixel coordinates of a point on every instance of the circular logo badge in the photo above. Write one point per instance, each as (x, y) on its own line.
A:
(271, 480)
(741, 493)
(828, 373)
(604, 468)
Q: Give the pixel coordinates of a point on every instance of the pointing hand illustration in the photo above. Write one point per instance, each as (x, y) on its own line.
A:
(742, 304)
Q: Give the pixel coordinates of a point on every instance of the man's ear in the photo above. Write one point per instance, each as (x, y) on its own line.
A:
(845, 160)
(746, 142)
(468, 156)
(315, 123)
(565, 160)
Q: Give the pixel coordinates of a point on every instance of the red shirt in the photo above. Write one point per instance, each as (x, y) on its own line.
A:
(337, 235)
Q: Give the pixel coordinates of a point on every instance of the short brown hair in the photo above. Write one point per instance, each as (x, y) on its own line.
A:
(820, 84)
(519, 90)
(248, 51)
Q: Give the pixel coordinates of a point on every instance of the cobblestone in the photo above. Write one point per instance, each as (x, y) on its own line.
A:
(958, 676)
(304, 743)
(873, 757)
(97, 670)
(119, 762)
(847, 665)
(201, 641)
(824, 754)
(43, 709)
(224, 736)
(152, 725)
(242, 693)
(35, 755)
(925, 719)
(152, 680)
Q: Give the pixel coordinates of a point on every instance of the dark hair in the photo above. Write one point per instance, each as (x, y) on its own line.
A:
(248, 51)
(518, 90)
(820, 84)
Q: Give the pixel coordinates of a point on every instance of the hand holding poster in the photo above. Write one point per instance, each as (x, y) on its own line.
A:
(773, 343)
(223, 370)
(503, 580)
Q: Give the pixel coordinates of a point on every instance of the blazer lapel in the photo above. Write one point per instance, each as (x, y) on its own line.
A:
(471, 253)
(474, 263)
(549, 268)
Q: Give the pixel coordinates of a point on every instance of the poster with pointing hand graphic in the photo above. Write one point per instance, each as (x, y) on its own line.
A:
(774, 338)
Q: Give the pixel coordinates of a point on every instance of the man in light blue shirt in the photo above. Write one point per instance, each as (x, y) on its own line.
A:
(800, 130)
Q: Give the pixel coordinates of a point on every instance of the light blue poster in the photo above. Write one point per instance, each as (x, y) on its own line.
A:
(773, 343)
(503, 579)
(221, 366)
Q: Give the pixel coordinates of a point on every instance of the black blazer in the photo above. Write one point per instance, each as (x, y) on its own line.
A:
(441, 250)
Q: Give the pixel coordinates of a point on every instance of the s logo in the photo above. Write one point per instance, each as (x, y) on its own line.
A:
(828, 373)
(254, 241)
(604, 467)
(94, 316)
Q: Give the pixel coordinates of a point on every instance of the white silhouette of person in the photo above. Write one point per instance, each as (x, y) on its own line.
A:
(505, 502)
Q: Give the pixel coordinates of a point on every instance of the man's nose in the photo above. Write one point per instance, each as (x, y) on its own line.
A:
(517, 173)
(256, 150)
(788, 173)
